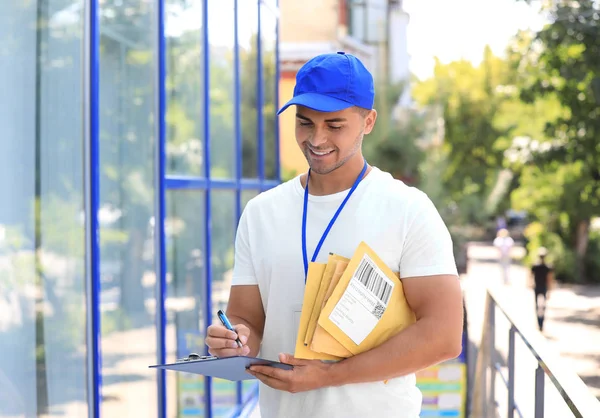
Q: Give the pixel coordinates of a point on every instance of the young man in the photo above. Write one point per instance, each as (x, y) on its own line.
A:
(542, 281)
(277, 236)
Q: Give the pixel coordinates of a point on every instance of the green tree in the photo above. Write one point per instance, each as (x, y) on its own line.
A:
(470, 101)
(393, 144)
(563, 62)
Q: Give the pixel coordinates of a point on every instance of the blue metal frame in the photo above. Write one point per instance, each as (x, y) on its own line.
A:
(159, 212)
(276, 96)
(244, 402)
(260, 99)
(191, 183)
(206, 183)
(238, 140)
(92, 199)
(207, 201)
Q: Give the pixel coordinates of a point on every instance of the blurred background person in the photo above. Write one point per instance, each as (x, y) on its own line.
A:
(504, 243)
(543, 277)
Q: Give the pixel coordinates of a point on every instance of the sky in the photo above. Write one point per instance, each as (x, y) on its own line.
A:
(456, 29)
(448, 29)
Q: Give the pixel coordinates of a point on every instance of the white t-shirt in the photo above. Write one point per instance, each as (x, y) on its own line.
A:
(400, 223)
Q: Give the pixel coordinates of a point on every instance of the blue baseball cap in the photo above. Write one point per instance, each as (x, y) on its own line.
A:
(333, 82)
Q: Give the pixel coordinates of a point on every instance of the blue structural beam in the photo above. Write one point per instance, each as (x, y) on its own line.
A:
(260, 98)
(92, 202)
(207, 200)
(238, 140)
(159, 210)
(276, 96)
(190, 182)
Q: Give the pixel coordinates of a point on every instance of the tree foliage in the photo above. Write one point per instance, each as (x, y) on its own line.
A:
(560, 185)
(468, 95)
(392, 145)
(534, 115)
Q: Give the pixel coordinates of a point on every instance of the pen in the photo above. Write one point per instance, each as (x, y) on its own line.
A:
(227, 324)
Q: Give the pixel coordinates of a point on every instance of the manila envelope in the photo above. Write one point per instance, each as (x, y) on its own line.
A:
(322, 341)
(324, 286)
(313, 282)
(397, 315)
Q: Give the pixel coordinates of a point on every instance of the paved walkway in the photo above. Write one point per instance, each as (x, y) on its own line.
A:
(572, 327)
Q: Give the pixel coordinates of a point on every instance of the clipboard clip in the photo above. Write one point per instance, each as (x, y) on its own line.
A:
(195, 356)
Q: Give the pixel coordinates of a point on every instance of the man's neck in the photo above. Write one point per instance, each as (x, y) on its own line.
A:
(338, 180)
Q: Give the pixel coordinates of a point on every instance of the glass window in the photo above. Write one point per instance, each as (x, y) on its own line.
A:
(367, 20)
(247, 195)
(42, 260)
(126, 214)
(222, 120)
(268, 34)
(185, 127)
(223, 236)
(248, 42)
(186, 298)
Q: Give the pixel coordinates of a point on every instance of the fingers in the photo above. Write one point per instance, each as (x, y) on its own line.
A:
(243, 332)
(219, 331)
(269, 381)
(229, 352)
(222, 342)
(291, 360)
(274, 377)
(273, 372)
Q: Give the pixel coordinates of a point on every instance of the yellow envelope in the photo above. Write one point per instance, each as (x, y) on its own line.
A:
(322, 341)
(313, 282)
(325, 290)
(350, 314)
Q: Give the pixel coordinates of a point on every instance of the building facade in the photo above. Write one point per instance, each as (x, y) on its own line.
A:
(373, 30)
(134, 132)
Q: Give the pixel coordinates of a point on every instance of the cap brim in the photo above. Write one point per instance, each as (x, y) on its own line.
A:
(318, 102)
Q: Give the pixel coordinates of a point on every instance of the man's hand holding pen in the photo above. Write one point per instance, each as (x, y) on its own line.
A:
(227, 340)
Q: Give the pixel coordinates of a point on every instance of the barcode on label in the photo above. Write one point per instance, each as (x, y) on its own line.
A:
(370, 276)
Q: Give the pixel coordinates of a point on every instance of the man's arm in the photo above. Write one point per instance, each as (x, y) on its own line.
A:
(435, 337)
(245, 307)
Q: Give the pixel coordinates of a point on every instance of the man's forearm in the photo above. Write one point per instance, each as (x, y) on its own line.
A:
(255, 339)
(417, 347)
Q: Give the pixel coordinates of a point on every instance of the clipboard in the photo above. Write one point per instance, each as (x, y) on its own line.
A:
(228, 368)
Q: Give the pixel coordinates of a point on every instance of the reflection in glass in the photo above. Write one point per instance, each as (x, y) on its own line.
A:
(126, 208)
(247, 41)
(186, 298)
(222, 120)
(268, 36)
(185, 128)
(223, 236)
(367, 20)
(42, 262)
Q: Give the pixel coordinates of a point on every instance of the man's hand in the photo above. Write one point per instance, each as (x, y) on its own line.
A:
(306, 374)
(221, 341)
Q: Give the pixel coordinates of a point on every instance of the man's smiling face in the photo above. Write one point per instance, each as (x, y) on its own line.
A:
(329, 140)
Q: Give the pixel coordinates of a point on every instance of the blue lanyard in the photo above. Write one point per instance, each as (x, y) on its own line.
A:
(337, 213)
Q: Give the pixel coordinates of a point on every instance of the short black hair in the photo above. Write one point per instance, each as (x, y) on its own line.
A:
(362, 111)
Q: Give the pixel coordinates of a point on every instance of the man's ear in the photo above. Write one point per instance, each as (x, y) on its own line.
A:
(370, 121)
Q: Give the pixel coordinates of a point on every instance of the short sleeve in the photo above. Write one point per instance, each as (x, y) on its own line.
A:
(243, 268)
(428, 248)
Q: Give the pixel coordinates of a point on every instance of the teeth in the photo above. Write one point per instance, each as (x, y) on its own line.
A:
(321, 153)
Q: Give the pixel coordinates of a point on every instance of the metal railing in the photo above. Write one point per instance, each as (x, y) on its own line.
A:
(577, 397)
